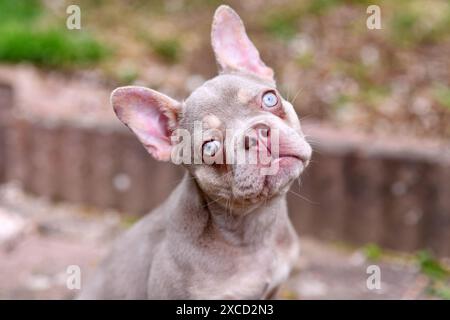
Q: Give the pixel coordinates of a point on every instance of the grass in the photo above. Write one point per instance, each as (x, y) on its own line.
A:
(319, 7)
(19, 10)
(413, 24)
(440, 290)
(305, 60)
(372, 252)
(282, 24)
(23, 39)
(373, 95)
(431, 267)
(167, 49)
(127, 76)
(402, 26)
(438, 275)
(128, 221)
(51, 47)
(355, 70)
(441, 93)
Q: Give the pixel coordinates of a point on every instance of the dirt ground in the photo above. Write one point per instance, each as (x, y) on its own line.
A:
(39, 240)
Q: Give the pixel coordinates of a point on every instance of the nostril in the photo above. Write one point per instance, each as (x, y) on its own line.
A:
(255, 135)
(249, 142)
(263, 130)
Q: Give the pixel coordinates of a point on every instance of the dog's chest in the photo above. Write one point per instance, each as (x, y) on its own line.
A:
(256, 275)
(282, 262)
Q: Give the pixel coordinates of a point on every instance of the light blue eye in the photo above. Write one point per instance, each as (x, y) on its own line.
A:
(210, 148)
(270, 100)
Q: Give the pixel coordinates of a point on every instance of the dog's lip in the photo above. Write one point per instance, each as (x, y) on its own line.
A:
(295, 156)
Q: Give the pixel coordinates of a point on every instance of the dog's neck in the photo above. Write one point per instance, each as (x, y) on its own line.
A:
(205, 217)
(251, 228)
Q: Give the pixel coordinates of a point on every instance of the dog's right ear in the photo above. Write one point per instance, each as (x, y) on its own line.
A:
(233, 49)
(151, 115)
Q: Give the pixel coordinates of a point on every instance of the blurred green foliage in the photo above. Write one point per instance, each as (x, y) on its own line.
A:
(127, 76)
(402, 24)
(413, 24)
(168, 49)
(22, 38)
(373, 95)
(438, 274)
(305, 60)
(282, 24)
(319, 7)
(19, 10)
(440, 290)
(51, 47)
(431, 267)
(372, 251)
(442, 95)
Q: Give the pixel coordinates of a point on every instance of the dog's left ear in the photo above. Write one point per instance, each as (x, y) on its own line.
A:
(233, 49)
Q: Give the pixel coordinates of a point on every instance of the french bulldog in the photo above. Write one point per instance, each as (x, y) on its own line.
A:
(224, 232)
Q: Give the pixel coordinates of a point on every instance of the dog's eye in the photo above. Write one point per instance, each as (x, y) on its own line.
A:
(210, 148)
(270, 100)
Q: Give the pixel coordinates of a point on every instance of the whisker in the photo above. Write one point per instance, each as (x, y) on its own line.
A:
(299, 182)
(305, 117)
(296, 95)
(315, 142)
(288, 93)
(310, 140)
(211, 202)
(304, 198)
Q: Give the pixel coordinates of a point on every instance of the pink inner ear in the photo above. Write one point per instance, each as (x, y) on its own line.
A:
(148, 116)
(154, 134)
(233, 48)
(142, 110)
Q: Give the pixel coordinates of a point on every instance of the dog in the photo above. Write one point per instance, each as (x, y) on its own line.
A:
(224, 232)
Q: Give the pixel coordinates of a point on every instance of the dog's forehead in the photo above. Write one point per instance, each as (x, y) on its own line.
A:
(225, 95)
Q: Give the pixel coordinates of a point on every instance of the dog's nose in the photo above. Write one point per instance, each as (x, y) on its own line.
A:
(258, 134)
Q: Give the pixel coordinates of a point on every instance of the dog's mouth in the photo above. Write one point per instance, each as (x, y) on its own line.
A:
(290, 166)
(293, 158)
(266, 186)
(253, 183)
(285, 162)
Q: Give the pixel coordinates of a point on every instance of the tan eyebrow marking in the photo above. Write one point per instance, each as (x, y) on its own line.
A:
(244, 96)
(212, 121)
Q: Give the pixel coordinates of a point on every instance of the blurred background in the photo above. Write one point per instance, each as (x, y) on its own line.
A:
(375, 105)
